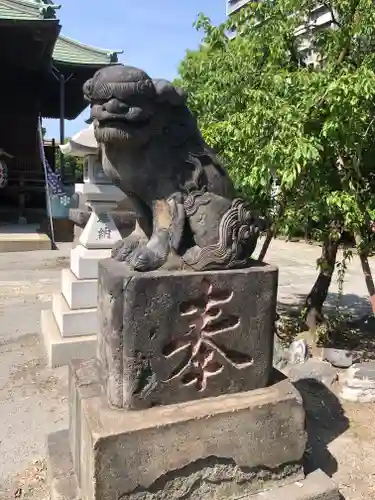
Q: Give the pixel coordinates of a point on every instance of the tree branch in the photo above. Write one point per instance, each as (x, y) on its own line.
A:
(346, 48)
(332, 12)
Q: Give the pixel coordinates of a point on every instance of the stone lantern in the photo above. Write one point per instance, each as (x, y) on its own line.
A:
(70, 328)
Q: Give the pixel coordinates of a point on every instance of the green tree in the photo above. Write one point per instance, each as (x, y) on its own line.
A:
(309, 128)
(73, 166)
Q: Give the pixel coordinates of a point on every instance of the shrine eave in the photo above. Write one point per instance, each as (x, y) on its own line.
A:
(22, 10)
(30, 42)
(73, 53)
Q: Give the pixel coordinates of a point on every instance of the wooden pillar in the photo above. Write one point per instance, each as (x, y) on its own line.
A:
(62, 123)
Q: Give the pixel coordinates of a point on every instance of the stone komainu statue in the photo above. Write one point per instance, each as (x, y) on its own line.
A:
(153, 150)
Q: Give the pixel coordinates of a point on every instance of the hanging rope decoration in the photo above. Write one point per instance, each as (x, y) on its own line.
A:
(4, 168)
(3, 174)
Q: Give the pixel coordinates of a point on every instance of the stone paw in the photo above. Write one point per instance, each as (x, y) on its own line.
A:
(144, 259)
(124, 248)
(191, 256)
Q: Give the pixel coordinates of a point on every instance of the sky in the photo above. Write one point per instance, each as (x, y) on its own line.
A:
(154, 35)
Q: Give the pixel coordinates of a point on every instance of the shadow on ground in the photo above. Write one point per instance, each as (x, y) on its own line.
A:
(351, 304)
(325, 421)
(355, 331)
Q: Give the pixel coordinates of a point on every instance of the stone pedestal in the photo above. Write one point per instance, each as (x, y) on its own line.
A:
(173, 336)
(246, 445)
(70, 329)
(182, 402)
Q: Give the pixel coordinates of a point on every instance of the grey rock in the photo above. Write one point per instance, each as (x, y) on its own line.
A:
(341, 358)
(313, 369)
(358, 383)
(171, 336)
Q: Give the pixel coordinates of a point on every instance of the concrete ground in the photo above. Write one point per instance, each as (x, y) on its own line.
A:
(33, 398)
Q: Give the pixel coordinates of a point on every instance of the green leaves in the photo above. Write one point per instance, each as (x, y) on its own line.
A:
(271, 117)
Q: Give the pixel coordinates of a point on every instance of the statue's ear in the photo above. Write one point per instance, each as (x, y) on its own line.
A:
(167, 92)
(87, 89)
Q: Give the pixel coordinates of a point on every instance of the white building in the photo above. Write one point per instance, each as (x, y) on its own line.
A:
(320, 18)
(234, 5)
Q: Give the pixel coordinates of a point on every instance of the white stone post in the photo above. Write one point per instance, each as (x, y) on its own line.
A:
(70, 328)
(100, 233)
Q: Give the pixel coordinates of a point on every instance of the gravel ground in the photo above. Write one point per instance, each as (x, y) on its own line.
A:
(33, 398)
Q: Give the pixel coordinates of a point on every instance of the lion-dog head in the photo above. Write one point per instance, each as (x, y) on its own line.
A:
(126, 105)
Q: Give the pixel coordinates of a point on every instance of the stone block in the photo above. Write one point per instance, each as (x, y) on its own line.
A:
(100, 231)
(100, 192)
(79, 294)
(124, 221)
(60, 351)
(172, 336)
(358, 383)
(313, 369)
(74, 322)
(316, 486)
(219, 448)
(340, 358)
(84, 262)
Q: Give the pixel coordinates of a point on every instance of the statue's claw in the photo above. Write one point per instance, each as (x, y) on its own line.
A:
(124, 248)
(144, 259)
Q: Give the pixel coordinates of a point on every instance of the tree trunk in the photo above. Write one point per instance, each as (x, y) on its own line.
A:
(266, 244)
(363, 256)
(272, 231)
(318, 294)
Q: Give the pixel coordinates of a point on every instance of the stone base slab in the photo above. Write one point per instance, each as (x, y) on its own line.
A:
(189, 451)
(79, 294)
(63, 482)
(74, 322)
(84, 262)
(60, 351)
(225, 447)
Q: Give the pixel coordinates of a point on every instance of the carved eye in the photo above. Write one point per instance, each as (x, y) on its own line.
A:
(145, 87)
(87, 88)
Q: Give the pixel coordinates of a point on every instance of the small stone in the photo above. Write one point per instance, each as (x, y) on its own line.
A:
(313, 369)
(280, 354)
(298, 351)
(18, 493)
(358, 383)
(341, 358)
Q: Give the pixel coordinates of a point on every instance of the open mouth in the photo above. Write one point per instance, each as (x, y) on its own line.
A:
(123, 124)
